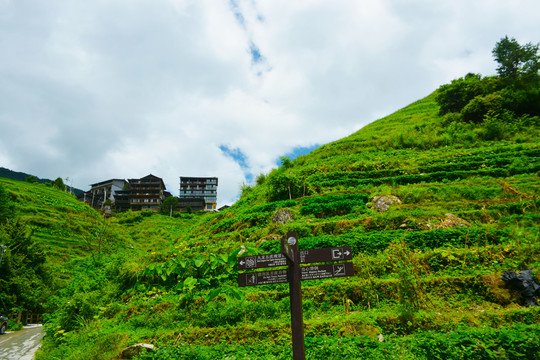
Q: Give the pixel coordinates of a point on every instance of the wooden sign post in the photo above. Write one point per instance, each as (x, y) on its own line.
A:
(289, 248)
(291, 257)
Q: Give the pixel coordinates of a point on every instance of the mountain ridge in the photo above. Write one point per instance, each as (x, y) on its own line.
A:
(22, 176)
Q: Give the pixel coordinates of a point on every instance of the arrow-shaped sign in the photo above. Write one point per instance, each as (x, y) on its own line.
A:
(310, 272)
(261, 261)
(306, 256)
(326, 254)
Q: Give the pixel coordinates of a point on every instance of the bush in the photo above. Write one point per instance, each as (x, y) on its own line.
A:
(516, 342)
(130, 217)
(261, 179)
(480, 106)
(285, 186)
(455, 96)
(375, 241)
(332, 205)
(273, 206)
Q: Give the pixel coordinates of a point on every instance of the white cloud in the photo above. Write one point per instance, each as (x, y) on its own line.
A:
(107, 89)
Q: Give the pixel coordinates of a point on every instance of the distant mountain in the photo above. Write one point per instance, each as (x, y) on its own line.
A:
(20, 176)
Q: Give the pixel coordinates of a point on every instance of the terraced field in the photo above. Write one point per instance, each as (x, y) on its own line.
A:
(461, 210)
(427, 269)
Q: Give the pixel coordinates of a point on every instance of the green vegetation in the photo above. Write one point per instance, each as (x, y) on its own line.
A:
(504, 103)
(427, 269)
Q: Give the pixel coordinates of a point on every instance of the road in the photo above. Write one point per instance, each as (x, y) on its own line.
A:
(22, 344)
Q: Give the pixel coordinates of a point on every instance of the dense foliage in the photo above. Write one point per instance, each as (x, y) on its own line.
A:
(512, 97)
(25, 281)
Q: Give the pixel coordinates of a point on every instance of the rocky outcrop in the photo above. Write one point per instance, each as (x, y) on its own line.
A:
(134, 350)
(449, 221)
(382, 203)
(282, 216)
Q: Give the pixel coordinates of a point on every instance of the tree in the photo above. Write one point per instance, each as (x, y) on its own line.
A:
(99, 238)
(455, 96)
(24, 278)
(511, 95)
(286, 162)
(516, 60)
(59, 184)
(32, 179)
(169, 204)
(286, 186)
(261, 178)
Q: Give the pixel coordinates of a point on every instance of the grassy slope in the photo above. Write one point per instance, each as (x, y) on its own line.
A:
(59, 220)
(414, 272)
(453, 281)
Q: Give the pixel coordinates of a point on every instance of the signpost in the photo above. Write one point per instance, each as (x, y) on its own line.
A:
(291, 257)
(312, 272)
(306, 256)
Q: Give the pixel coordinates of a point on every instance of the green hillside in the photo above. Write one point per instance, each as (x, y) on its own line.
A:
(462, 208)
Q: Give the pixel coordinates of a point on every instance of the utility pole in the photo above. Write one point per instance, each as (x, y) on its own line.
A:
(69, 186)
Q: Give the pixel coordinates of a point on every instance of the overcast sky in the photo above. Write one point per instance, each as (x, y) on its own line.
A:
(94, 90)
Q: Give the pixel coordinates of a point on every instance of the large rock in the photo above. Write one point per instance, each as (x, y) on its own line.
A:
(449, 221)
(134, 350)
(382, 203)
(283, 216)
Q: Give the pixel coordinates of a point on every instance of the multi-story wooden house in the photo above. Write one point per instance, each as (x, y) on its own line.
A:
(200, 187)
(146, 193)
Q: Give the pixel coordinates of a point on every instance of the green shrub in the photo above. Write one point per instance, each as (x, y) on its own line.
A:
(273, 206)
(476, 110)
(515, 342)
(332, 205)
(372, 242)
(455, 96)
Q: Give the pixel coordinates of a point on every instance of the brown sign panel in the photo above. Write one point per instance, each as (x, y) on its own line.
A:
(325, 271)
(263, 278)
(327, 254)
(261, 261)
(311, 272)
(306, 256)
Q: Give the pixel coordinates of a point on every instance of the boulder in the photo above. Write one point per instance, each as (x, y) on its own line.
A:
(134, 350)
(450, 221)
(524, 282)
(282, 216)
(382, 203)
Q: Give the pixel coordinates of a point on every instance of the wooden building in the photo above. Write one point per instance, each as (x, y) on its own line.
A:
(200, 187)
(146, 193)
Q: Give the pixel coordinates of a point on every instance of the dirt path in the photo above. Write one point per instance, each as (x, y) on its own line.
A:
(22, 344)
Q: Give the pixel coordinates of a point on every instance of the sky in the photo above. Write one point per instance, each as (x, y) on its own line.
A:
(103, 89)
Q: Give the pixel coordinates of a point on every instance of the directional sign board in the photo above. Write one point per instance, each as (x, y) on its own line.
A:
(261, 261)
(306, 256)
(311, 272)
(263, 278)
(326, 254)
(326, 271)
(292, 257)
